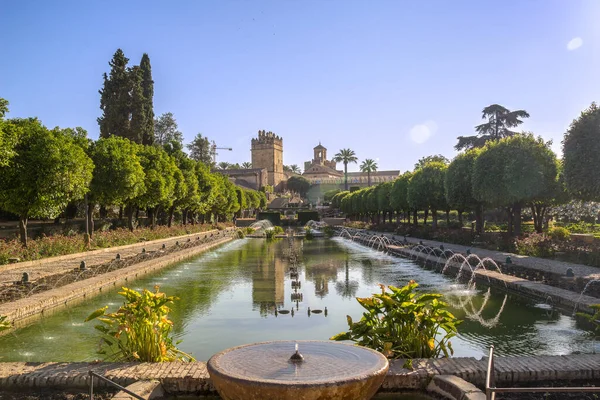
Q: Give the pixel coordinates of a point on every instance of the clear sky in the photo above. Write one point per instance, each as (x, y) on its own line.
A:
(393, 80)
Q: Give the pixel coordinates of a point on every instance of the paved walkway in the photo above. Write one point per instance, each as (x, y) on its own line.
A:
(192, 378)
(535, 263)
(55, 265)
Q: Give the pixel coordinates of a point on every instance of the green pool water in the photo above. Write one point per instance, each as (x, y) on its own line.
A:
(228, 297)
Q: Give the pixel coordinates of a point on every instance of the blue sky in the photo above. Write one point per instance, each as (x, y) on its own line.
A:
(393, 80)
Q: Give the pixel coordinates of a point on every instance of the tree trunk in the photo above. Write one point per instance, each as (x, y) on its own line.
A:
(120, 212)
(460, 217)
(538, 211)
(434, 219)
(129, 210)
(184, 214)
(415, 218)
(171, 212)
(510, 220)
(425, 216)
(103, 212)
(479, 219)
(447, 218)
(517, 219)
(346, 176)
(392, 217)
(369, 178)
(90, 219)
(23, 230)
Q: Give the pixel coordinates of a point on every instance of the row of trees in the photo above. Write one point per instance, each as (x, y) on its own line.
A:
(43, 170)
(499, 169)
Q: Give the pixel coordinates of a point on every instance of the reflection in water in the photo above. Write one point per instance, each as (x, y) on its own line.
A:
(229, 296)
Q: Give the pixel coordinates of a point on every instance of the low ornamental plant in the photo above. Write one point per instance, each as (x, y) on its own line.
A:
(4, 324)
(139, 330)
(401, 323)
(593, 318)
(308, 233)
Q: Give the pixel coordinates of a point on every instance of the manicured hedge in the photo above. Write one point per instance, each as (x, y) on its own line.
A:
(274, 217)
(305, 216)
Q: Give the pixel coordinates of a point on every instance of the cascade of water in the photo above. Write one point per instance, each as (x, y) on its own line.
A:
(585, 288)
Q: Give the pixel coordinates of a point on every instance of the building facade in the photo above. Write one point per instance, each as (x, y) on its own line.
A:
(267, 153)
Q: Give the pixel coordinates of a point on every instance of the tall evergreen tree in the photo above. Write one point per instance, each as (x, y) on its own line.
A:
(200, 149)
(115, 99)
(148, 92)
(138, 106)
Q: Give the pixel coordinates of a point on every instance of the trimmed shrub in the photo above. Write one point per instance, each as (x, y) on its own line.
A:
(559, 233)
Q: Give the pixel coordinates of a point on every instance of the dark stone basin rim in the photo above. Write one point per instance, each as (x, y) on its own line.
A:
(325, 382)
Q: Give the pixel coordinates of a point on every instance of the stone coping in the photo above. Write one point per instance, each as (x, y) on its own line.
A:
(192, 378)
(81, 256)
(22, 311)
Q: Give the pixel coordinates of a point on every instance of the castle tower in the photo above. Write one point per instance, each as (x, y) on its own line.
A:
(267, 152)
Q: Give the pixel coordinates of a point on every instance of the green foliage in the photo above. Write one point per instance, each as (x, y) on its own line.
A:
(159, 169)
(581, 149)
(517, 169)
(298, 184)
(118, 175)
(278, 230)
(403, 324)
(240, 233)
(200, 150)
(305, 216)
(399, 193)
(267, 189)
(345, 156)
(368, 166)
(4, 323)
(249, 230)
(535, 245)
(559, 233)
(458, 181)
(329, 231)
(330, 194)
(8, 135)
(148, 98)
(336, 200)
(308, 233)
(500, 119)
(593, 318)
(115, 99)
(426, 187)
(48, 171)
(166, 131)
(438, 158)
(139, 330)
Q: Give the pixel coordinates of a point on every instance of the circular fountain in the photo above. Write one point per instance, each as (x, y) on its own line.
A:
(317, 370)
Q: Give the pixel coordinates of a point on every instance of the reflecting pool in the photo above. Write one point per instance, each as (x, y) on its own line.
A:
(242, 292)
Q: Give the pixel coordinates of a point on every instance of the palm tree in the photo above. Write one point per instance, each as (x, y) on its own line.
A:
(223, 165)
(500, 119)
(247, 165)
(368, 166)
(295, 169)
(346, 156)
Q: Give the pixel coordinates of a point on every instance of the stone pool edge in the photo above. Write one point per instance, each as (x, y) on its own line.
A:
(179, 378)
(25, 311)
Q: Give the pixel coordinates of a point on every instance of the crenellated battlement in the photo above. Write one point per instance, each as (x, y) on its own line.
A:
(269, 137)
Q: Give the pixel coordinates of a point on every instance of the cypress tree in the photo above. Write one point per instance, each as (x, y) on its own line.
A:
(148, 93)
(115, 99)
(138, 106)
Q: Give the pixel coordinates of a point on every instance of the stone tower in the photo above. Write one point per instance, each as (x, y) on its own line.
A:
(267, 152)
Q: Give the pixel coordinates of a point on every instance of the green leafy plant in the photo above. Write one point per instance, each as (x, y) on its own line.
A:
(249, 230)
(403, 324)
(308, 233)
(559, 233)
(139, 330)
(4, 324)
(240, 234)
(278, 230)
(329, 231)
(270, 234)
(593, 318)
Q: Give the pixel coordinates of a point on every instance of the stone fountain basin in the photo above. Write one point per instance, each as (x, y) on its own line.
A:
(330, 370)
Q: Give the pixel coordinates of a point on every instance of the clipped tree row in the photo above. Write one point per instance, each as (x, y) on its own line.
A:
(43, 170)
(515, 172)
